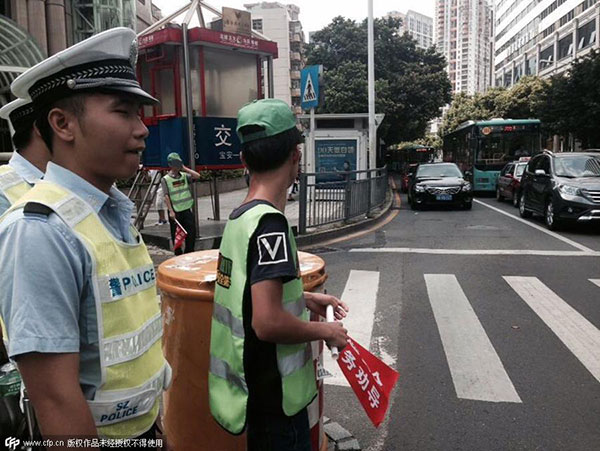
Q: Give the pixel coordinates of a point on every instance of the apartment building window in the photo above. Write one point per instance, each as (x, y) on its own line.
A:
(531, 66)
(257, 24)
(586, 35)
(547, 57)
(565, 47)
(507, 79)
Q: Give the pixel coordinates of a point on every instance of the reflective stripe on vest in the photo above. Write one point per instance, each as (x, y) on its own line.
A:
(12, 185)
(133, 369)
(181, 196)
(228, 391)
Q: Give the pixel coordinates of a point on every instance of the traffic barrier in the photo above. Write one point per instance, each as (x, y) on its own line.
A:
(187, 284)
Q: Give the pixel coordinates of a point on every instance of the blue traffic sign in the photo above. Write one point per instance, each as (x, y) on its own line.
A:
(309, 87)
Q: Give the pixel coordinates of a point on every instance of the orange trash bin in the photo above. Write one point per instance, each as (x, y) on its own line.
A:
(187, 285)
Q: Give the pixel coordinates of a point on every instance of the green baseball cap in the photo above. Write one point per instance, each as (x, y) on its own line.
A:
(272, 115)
(173, 156)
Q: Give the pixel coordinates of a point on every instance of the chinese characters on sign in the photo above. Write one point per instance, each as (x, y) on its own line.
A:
(217, 143)
(371, 380)
(335, 155)
(238, 41)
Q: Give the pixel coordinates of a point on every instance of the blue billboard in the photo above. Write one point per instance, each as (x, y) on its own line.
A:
(335, 155)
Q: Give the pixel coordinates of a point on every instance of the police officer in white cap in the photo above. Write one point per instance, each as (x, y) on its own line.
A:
(28, 163)
(82, 317)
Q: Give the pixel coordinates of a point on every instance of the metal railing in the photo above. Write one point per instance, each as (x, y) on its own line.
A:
(330, 197)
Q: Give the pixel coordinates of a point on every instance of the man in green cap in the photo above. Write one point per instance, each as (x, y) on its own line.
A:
(177, 189)
(261, 365)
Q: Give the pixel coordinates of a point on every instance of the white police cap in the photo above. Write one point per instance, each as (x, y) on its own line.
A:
(105, 61)
(19, 113)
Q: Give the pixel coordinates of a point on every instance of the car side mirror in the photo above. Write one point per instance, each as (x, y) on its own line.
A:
(468, 173)
(410, 174)
(540, 172)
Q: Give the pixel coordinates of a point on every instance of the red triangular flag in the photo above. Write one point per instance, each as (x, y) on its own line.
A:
(370, 378)
(180, 234)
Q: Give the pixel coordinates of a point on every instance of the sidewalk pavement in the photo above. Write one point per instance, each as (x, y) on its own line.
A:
(209, 230)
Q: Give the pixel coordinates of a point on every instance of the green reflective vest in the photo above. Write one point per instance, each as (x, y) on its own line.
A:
(179, 192)
(228, 392)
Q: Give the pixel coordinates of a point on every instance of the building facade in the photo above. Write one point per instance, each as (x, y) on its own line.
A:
(280, 23)
(464, 35)
(542, 37)
(417, 25)
(57, 24)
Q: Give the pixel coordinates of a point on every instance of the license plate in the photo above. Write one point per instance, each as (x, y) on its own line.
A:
(443, 197)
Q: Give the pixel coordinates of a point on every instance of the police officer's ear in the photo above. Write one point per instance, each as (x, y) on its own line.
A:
(63, 123)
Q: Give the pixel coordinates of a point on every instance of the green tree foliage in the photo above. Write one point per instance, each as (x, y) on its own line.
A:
(571, 102)
(411, 83)
(522, 101)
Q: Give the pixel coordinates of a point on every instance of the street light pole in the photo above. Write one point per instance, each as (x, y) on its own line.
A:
(371, 80)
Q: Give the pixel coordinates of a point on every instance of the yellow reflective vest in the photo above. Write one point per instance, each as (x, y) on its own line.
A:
(134, 371)
(12, 185)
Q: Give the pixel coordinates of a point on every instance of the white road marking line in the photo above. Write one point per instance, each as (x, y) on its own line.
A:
(595, 281)
(360, 294)
(477, 371)
(540, 228)
(412, 250)
(577, 333)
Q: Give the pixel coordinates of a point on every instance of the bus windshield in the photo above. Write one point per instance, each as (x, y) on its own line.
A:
(495, 150)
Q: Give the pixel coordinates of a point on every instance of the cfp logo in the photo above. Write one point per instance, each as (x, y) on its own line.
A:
(12, 443)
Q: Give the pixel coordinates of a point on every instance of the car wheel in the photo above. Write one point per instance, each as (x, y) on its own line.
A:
(468, 205)
(498, 195)
(522, 211)
(515, 199)
(552, 222)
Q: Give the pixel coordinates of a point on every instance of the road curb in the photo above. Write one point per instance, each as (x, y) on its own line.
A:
(339, 438)
(303, 241)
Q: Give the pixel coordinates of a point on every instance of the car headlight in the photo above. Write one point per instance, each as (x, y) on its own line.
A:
(467, 187)
(569, 190)
(419, 188)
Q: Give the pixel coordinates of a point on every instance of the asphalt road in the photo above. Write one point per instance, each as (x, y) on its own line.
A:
(491, 321)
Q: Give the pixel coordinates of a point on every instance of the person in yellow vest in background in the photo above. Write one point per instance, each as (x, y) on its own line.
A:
(177, 189)
(79, 301)
(28, 163)
(261, 368)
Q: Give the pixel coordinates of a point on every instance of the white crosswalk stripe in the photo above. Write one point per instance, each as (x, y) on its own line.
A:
(476, 369)
(580, 336)
(360, 294)
(595, 281)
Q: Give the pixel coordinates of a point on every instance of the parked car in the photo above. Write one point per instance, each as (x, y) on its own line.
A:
(439, 183)
(563, 187)
(509, 182)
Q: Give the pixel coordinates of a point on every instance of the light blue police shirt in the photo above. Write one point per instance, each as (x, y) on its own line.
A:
(47, 301)
(26, 170)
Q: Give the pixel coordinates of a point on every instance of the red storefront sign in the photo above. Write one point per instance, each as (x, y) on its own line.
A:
(370, 378)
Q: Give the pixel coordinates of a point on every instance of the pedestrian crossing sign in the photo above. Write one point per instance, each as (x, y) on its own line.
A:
(309, 87)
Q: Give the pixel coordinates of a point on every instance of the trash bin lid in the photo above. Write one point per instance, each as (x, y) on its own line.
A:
(312, 270)
(193, 275)
(190, 275)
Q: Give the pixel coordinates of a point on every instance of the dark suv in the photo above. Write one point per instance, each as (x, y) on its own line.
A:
(562, 187)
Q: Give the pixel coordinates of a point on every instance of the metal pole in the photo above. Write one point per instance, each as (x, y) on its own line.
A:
(271, 91)
(302, 206)
(163, 21)
(371, 77)
(190, 118)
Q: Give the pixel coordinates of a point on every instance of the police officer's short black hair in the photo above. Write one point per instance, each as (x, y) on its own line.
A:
(22, 138)
(269, 153)
(74, 104)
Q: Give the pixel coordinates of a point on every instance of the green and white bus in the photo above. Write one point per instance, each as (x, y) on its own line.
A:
(482, 148)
